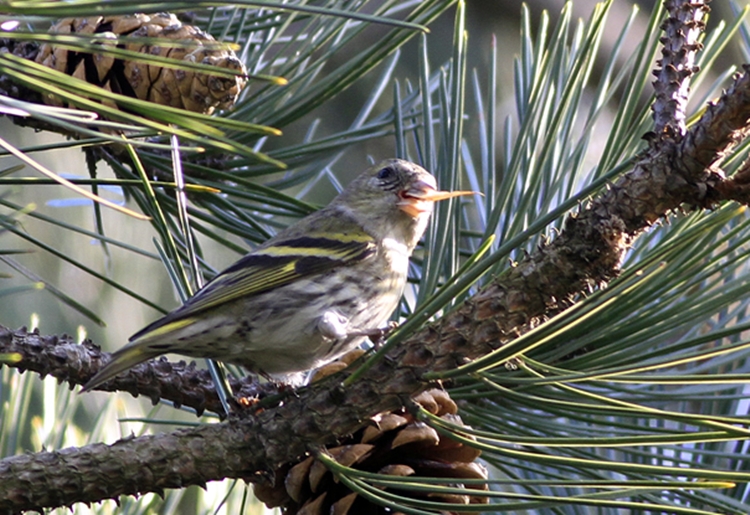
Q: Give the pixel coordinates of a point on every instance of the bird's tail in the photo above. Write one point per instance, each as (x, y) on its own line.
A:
(123, 359)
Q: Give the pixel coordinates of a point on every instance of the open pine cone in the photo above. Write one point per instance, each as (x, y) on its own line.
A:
(184, 89)
(395, 444)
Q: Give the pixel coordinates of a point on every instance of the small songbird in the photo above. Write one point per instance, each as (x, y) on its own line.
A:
(309, 294)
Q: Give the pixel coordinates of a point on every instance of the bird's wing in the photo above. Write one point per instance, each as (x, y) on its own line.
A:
(265, 269)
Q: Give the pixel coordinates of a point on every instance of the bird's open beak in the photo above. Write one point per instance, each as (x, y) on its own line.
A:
(418, 198)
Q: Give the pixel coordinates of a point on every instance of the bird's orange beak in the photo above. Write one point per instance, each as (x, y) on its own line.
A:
(418, 198)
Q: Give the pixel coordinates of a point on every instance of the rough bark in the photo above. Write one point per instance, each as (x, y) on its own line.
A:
(682, 28)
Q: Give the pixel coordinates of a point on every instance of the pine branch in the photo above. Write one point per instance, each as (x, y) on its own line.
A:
(180, 383)
(683, 27)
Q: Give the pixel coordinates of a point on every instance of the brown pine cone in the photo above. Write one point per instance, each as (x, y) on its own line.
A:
(395, 444)
(194, 91)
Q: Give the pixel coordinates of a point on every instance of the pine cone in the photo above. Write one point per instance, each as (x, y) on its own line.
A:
(395, 444)
(184, 89)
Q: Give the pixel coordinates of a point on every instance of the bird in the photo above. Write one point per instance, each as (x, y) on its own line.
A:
(309, 294)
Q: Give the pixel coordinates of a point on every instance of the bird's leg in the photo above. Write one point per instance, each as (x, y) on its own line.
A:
(378, 335)
(332, 325)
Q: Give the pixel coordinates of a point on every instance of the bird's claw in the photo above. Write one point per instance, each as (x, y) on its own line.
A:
(379, 335)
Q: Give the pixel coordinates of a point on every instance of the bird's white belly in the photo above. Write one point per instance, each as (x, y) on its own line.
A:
(315, 334)
(310, 323)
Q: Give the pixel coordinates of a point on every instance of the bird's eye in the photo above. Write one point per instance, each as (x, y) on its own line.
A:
(385, 173)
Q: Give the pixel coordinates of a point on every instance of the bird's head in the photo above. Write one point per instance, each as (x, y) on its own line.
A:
(396, 198)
